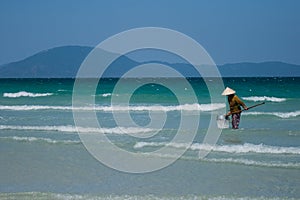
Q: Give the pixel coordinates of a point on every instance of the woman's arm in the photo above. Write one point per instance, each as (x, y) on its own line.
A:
(240, 102)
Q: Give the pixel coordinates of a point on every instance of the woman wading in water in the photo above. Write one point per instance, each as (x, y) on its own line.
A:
(235, 107)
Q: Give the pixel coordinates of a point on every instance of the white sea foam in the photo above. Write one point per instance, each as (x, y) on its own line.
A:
(38, 107)
(26, 94)
(185, 107)
(253, 162)
(106, 95)
(264, 98)
(240, 161)
(277, 114)
(73, 129)
(248, 148)
(38, 139)
(245, 148)
(216, 160)
(102, 95)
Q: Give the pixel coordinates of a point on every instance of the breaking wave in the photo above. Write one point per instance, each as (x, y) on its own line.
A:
(38, 139)
(241, 161)
(264, 98)
(245, 148)
(185, 107)
(284, 115)
(73, 129)
(25, 94)
(106, 94)
(252, 162)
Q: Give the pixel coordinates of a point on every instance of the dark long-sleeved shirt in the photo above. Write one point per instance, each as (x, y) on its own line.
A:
(235, 104)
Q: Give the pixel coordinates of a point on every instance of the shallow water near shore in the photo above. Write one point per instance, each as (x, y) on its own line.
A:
(42, 156)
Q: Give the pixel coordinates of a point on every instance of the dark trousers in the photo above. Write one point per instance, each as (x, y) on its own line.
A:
(236, 120)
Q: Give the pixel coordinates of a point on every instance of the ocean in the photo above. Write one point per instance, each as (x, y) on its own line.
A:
(42, 156)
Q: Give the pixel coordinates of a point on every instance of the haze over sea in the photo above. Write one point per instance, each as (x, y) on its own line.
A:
(42, 156)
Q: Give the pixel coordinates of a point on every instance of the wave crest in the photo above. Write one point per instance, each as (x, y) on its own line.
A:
(264, 98)
(283, 115)
(38, 139)
(252, 162)
(25, 94)
(245, 148)
(106, 94)
(185, 107)
(74, 129)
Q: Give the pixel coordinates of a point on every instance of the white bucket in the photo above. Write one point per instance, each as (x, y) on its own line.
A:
(222, 122)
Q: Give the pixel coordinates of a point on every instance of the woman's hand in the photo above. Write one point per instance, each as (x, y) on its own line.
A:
(228, 114)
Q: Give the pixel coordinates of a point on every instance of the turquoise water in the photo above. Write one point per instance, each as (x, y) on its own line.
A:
(42, 156)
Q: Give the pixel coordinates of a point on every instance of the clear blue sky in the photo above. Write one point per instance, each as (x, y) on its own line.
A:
(231, 31)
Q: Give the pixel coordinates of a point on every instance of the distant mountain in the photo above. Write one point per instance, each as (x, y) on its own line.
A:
(56, 62)
(64, 62)
(61, 62)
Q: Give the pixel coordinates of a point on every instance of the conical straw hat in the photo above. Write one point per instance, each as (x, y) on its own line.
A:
(228, 91)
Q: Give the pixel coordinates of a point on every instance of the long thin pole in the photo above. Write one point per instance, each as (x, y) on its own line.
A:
(249, 108)
(256, 105)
